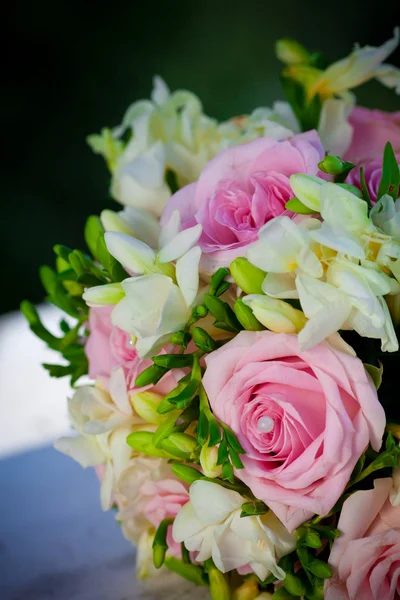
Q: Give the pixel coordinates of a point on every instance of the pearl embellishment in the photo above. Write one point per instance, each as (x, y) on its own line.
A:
(265, 424)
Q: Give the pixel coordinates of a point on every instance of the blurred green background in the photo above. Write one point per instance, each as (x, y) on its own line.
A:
(73, 68)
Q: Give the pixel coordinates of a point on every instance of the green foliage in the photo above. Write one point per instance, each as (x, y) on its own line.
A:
(390, 180)
(255, 507)
(307, 111)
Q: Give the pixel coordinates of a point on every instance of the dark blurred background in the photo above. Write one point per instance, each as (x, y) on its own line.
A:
(71, 68)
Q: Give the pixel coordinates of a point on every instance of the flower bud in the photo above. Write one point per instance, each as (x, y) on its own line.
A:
(208, 461)
(245, 316)
(307, 189)
(248, 277)
(142, 441)
(247, 591)
(112, 221)
(219, 588)
(291, 52)
(331, 164)
(145, 405)
(180, 445)
(100, 295)
(276, 315)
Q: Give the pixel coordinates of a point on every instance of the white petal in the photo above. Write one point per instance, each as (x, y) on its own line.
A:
(318, 300)
(280, 285)
(118, 391)
(181, 243)
(84, 449)
(143, 224)
(334, 128)
(107, 487)
(278, 246)
(307, 189)
(134, 255)
(338, 240)
(160, 93)
(213, 503)
(389, 76)
(186, 524)
(187, 274)
(359, 66)
(170, 229)
(342, 209)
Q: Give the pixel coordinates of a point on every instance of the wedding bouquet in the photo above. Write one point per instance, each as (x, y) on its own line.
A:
(236, 320)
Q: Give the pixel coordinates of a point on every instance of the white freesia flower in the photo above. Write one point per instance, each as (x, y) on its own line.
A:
(386, 215)
(171, 132)
(357, 68)
(108, 449)
(102, 421)
(340, 267)
(389, 76)
(210, 524)
(157, 302)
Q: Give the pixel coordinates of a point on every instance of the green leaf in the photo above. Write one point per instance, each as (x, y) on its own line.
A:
(294, 585)
(282, 594)
(222, 288)
(227, 472)
(223, 454)
(376, 373)
(32, 316)
(202, 429)
(93, 230)
(253, 508)
(326, 532)
(296, 206)
(390, 180)
(320, 569)
(223, 313)
(364, 187)
(217, 279)
(235, 459)
(232, 439)
(214, 431)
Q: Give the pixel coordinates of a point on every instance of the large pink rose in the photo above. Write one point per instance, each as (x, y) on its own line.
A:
(372, 129)
(366, 556)
(373, 175)
(240, 190)
(303, 418)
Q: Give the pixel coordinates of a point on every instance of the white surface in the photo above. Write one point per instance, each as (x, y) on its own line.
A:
(55, 542)
(33, 405)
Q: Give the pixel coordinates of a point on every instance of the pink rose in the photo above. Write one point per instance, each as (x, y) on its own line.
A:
(373, 175)
(107, 346)
(366, 556)
(240, 190)
(372, 129)
(303, 418)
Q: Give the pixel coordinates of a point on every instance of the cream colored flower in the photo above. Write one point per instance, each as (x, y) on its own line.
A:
(210, 524)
